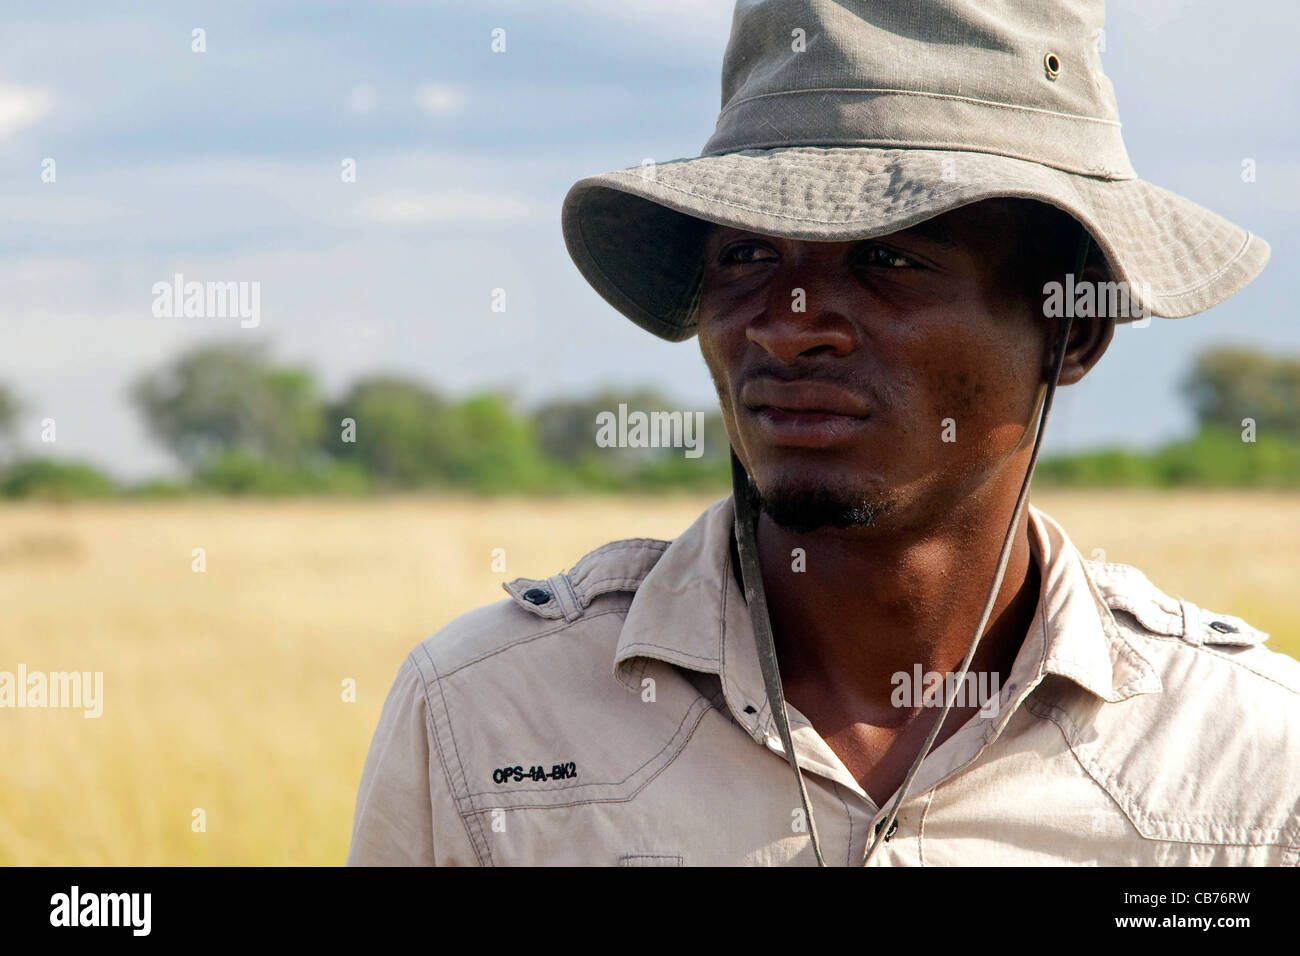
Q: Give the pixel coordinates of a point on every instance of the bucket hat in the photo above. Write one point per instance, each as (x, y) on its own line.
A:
(848, 119)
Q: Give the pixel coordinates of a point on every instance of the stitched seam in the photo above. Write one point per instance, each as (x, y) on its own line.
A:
(672, 650)
(1144, 616)
(627, 544)
(578, 605)
(487, 849)
(1294, 845)
(1043, 710)
(1110, 783)
(596, 588)
(1129, 653)
(920, 833)
(925, 94)
(432, 730)
(1209, 649)
(805, 219)
(1188, 290)
(764, 708)
(1106, 173)
(585, 563)
(848, 854)
(533, 637)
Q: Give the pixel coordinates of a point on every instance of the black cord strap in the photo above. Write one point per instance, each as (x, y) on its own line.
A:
(756, 598)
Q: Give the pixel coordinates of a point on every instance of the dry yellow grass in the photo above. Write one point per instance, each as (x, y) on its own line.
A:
(222, 690)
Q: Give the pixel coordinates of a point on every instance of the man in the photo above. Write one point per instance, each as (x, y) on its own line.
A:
(867, 249)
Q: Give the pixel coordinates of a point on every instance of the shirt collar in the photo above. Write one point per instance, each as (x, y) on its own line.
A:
(1074, 630)
(690, 611)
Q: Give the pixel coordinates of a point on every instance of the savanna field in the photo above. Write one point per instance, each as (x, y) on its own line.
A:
(223, 689)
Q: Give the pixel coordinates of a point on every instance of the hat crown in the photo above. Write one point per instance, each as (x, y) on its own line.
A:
(1020, 78)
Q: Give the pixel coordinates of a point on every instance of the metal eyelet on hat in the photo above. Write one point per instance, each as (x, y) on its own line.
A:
(1052, 64)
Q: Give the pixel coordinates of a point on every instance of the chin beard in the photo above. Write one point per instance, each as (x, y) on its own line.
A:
(810, 509)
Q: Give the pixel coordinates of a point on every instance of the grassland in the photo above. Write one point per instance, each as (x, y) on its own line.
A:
(223, 688)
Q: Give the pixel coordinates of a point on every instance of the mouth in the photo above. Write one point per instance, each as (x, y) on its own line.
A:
(804, 414)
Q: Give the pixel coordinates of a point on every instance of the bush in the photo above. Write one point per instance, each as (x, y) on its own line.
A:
(1217, 457)
(1106, 468)
(55, 481)
(1212, 458)
(157, 488)
(240, 473)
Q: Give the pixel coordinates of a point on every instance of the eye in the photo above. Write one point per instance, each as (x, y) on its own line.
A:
(877, 255)
(746, 252)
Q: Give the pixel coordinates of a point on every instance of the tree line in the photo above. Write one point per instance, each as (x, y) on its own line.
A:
(237, 422)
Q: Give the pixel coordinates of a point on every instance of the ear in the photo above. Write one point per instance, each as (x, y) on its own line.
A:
(1089, 338)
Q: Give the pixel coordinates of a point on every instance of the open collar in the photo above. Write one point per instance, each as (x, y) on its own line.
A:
(690, 611)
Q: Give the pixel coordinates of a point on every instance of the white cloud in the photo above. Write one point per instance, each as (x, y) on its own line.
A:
(413, 208)
(440, 99)
(21, 106)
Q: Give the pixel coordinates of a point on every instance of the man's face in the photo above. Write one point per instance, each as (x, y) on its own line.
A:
(904, 384)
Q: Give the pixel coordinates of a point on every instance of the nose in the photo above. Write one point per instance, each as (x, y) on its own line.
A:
(805, 314)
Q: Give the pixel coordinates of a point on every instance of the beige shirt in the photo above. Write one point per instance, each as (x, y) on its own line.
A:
(621, 720)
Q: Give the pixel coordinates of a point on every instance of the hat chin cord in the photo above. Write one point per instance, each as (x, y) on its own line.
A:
(746, 506)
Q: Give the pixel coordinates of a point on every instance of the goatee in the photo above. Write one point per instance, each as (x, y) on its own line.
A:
(802, 510)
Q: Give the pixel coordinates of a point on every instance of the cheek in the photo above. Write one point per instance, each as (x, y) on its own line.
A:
(715, 355)
(712, 353)
(966, 394)
(982, 383)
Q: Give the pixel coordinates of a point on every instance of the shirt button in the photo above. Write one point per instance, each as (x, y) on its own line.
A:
(749, 709)
(1223, 627)
(893, 828)
(537, 595)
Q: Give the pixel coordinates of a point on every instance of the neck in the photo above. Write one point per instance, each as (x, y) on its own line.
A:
(875, 602)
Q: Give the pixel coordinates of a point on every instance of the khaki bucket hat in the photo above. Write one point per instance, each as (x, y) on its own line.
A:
(848, 119)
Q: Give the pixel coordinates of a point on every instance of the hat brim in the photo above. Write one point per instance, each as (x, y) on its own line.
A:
(637, 234)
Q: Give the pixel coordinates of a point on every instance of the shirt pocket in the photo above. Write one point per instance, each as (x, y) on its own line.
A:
(1195, 786)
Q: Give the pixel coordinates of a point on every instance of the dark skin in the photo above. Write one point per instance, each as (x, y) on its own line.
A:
(903, 339)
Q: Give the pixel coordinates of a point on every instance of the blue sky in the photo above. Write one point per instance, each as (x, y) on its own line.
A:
(226, 165)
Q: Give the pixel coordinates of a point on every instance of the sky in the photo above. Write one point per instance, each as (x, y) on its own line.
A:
(227, 165)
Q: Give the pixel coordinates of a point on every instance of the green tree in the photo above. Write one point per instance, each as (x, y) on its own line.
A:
(395, 428)
(493, 448)
(567, 428)
(223, 398)
(1228, 385)
(407, 436)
